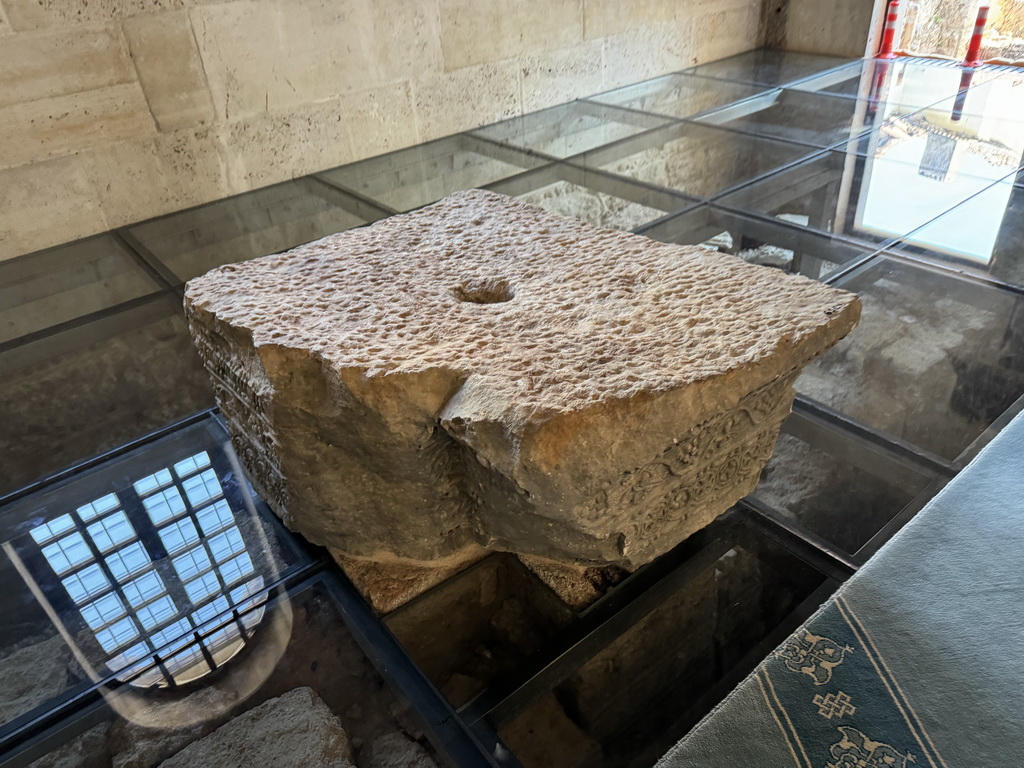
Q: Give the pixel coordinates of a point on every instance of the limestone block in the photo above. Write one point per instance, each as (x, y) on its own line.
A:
(604, 18)
(467, 98)
(194, 162)
(837, 28)
(121, 176)
(189, 162)
(380, 119)
(64, 125)
(476, 33)
(557, 77)
(43, 65)
(273, 56)
(47, 14)
(721, 33)
(34, 198)
(644, 52)
(296, 729)
(170, 70)
(109, 186)
(277, 146)
(413, 53)
(482, 371)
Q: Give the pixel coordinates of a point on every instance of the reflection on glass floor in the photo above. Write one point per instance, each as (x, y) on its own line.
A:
(570, 129)
(773, 69)
(935, 360)
(679, 95)
(789, 245)
(632, 698)
(842, 490)
(809, 118)
(136, 587)
(899, 182)
(138, 564)
(268, 220)
(68, 282)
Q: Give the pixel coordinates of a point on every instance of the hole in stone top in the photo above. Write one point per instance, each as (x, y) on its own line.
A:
(492, 290)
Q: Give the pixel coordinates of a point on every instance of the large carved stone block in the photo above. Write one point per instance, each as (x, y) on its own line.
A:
(481, 372)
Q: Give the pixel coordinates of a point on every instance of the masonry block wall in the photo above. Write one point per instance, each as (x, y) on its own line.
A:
(113, 111)
(836, 27)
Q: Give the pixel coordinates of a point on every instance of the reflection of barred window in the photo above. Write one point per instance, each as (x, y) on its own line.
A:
(165, 598)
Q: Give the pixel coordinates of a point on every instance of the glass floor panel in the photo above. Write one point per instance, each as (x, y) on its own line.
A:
(692, 159)
(598, 198)
(570, 128)
(934, 361)
(945, 149)
(266, 221)
(806, 118)
(129, 560)
(769, 68)
(982, 235)
(934, 368)
(873, 199)
(988, 101)
(841, 490)
(95, 386)
(597, 208)
(911, 83)
(158, 585)
(498, 616)
(758, 241)
(677, 95)
(303, 665)
(50, 287)
(633, 698)
(411, 178)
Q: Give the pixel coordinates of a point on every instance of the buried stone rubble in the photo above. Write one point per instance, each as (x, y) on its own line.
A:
(483, 374)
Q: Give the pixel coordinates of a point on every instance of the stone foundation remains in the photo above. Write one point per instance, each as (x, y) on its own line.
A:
(481, 373)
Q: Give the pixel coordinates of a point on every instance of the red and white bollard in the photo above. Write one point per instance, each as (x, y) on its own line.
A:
(889, 33)
(880, 77)
(974, 49)
(961, 95)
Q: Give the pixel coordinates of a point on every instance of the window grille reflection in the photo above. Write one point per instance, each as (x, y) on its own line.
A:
(168, 609)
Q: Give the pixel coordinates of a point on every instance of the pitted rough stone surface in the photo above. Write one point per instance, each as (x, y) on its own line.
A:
(576, 586)
(390, 585)
(484, 371)
(296, 729)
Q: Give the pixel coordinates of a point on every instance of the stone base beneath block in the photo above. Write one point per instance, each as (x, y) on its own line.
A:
(391, 584)
(576, 586)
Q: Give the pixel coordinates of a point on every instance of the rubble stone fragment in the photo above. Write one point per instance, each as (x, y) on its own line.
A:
(296, 729)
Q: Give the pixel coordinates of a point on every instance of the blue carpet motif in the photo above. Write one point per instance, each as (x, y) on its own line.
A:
(914, 663)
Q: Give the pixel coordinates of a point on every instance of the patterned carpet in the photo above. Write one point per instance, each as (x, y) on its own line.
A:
(915, 662)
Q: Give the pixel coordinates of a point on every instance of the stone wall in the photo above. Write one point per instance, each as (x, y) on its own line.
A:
(114, 111)
(836, 27)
